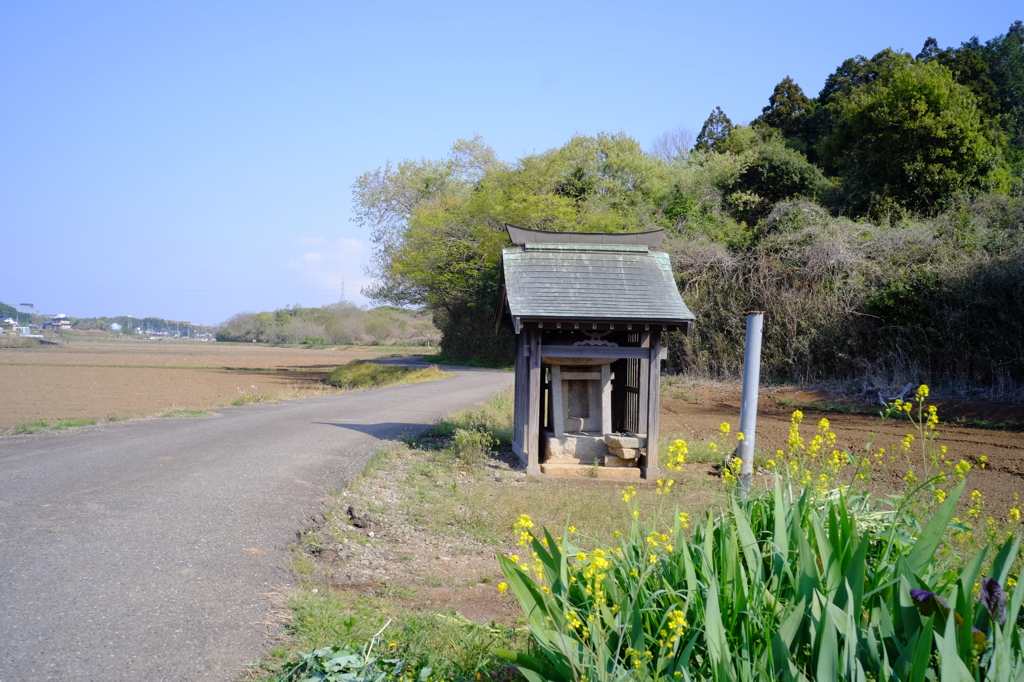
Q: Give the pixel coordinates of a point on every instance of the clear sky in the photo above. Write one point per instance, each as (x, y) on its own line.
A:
(192, 160)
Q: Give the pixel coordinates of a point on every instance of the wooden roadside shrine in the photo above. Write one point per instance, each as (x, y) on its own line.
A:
(588, 311)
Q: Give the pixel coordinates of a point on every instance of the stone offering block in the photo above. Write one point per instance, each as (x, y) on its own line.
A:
(625, 447)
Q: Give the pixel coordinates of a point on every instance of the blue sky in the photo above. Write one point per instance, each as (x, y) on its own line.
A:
(192, 160)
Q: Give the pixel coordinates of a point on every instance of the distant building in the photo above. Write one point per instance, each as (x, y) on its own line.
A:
(27, 308)
(58, 322)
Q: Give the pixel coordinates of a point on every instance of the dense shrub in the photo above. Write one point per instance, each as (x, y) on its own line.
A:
(931, 300)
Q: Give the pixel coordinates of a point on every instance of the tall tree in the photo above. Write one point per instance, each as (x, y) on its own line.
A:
(851, 74)
(911, 138)
(788, 109)
(930, 50)
(1005, 57)
(715, 129)
(968, 67)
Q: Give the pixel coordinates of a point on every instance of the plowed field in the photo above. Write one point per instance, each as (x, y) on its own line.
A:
(706, 407)
(100, 380)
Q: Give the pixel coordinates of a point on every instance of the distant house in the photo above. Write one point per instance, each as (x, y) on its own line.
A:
(58, 322)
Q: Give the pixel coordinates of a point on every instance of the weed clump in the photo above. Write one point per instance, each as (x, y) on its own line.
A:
(360, 374)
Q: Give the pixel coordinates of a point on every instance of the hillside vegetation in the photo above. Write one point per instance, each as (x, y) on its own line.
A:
(338, 323)
(880, 225)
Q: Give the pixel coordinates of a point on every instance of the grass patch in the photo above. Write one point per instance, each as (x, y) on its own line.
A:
(253, 395)
(42, 425)
(249, 399)
(303, 564)
(828, 406)
(444, 641)
(679, 387)
(361, 374)
(28, 427)
(494, 418)
(70, 423)
(183, 414)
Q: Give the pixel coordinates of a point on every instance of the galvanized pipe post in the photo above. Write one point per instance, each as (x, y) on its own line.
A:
(748, 407)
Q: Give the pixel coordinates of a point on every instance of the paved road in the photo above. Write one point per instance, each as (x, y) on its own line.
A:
(146, 550)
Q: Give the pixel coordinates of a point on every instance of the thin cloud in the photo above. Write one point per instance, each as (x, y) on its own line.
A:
(334, 264)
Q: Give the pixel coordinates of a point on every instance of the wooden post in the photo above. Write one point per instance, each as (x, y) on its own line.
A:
(651, 468)
(518, 410)
(533, 415)
(606, 399)
(642, 386)
(557, 404)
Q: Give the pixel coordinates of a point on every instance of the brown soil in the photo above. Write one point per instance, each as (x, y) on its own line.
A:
(99, 380)
(709, 406)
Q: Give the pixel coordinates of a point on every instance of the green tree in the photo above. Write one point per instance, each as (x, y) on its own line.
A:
(443, 250)
(969, 69)
(852, 74)
(1005, 57)
(773, 173)
(788, 109)
(909, 138)
(715, 130)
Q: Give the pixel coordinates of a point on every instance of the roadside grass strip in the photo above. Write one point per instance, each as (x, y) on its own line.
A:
(360, 374)
(185, 414)
(40, 426)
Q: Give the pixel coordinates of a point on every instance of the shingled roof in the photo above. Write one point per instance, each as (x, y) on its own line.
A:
(550, 277)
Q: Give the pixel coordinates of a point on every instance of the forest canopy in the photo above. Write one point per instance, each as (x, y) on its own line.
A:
(879, 223)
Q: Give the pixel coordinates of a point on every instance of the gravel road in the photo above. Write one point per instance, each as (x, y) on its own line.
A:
(149, 549)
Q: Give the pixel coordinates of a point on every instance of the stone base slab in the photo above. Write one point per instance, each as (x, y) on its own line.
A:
(566, 469)
(581, 448)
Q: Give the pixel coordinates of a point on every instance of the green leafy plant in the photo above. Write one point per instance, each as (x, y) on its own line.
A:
(777, 586)
(471, 446)
(348, 664)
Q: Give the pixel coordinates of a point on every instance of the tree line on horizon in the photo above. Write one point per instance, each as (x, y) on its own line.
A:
(340, 323)
(878, 224)
(127, 322)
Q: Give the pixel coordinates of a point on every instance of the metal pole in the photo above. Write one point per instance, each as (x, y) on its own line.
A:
(748, 408)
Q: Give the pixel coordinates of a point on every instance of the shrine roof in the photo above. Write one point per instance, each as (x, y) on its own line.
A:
(590, 280)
